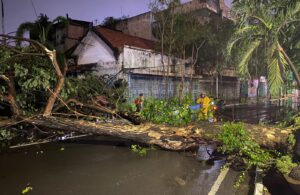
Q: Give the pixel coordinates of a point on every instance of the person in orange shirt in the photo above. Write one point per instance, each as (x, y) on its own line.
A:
(139, 102)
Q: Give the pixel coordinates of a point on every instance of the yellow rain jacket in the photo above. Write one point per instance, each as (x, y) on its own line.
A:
(205, 104)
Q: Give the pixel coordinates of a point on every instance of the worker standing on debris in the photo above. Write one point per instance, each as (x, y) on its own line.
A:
(204, 101)
(139, 102)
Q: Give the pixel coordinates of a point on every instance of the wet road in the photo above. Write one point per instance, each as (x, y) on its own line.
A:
(101, 168)
(254, 113)
(96, 165)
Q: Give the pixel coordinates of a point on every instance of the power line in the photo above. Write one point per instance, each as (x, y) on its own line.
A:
(32, 4)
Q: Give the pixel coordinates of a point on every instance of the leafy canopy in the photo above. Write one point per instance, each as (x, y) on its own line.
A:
(261, 33)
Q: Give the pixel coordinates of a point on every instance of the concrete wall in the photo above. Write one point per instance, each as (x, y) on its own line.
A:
(143, 61)
(140, 26)
(154, 86)
(92, 49)
(69, 36)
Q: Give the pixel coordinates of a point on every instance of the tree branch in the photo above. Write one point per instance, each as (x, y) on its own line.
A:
(12, 95)
(33, 42)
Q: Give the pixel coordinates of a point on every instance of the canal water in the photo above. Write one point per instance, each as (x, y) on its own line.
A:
(97, 165)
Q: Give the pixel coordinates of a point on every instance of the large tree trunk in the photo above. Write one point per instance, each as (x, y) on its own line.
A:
(11, 98)
(291, 64)
(167, 137)
(145, 134)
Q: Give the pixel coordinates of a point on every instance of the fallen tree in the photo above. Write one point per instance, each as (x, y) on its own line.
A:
(35, 83)
(167, 137)
(25, 96)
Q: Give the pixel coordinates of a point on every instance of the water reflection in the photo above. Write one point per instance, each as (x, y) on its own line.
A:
(103, 169)
(205, 179)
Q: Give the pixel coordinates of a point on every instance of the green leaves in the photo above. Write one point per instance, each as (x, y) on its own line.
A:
(285, 164)
(276, 66)
(247, 54)
(32, 76)
(141, 151)
(237, 141)
(168, 112)
(5, 137)
(261, 27)
(233, 136)
(41, 29)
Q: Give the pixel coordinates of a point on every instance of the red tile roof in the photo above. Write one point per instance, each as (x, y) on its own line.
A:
(118, 39)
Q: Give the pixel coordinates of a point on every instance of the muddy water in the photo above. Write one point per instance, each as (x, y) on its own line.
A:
(101, 168)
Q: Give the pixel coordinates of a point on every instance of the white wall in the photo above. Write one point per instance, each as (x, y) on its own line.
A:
(139, 58)
(149, 60)
(93, 49)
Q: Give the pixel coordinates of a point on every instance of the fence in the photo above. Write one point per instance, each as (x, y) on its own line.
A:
(154, 86)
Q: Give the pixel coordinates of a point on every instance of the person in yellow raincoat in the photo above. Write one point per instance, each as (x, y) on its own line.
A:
(204, 101)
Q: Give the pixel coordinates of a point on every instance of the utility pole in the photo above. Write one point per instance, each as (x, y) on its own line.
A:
(2, 21)
(2, 17)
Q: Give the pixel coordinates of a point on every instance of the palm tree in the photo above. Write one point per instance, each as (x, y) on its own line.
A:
(42, 29)
(261, 29)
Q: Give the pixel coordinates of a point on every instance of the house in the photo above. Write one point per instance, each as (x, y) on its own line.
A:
(66, 37)
(136, 60)
(141, 25)
(130, 53)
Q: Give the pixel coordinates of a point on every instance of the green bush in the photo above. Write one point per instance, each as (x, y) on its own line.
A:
(285, 164)
(297, 121)
(5, 138)
(168, 112)
(237, 141)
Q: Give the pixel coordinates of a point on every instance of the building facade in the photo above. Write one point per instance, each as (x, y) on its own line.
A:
(141, 25)
(134, 59)
(130, 53)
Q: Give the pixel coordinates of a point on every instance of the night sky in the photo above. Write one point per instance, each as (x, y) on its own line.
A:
(19, 11)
